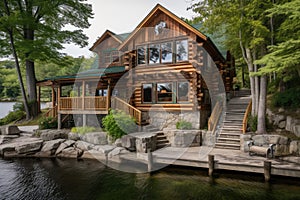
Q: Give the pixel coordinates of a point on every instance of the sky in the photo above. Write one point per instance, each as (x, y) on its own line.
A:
(123, 16)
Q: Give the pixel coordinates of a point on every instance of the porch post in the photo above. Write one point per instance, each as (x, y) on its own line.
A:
(58, 97)
(53, 97)
(83, 94)
(59, 121)
(108, 95)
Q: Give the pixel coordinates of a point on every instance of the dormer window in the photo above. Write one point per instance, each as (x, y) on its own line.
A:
(110, 56)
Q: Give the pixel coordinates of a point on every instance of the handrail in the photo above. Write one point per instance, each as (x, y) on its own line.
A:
(126, 107)
(52, 112)
(214, 117)
(249, 107)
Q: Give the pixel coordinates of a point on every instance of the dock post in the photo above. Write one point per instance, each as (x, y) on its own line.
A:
(150, 160)
(211, 164)
(84, 120)
(59, 121)
(267, 170)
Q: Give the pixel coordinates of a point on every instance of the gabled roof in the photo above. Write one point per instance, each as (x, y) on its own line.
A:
(191, 28)
(106, 34)
(157, 8)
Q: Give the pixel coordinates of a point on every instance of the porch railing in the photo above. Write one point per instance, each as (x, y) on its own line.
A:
(52, 112)
(119, 104)
(214, 117)
(245, 120)
(83, 103)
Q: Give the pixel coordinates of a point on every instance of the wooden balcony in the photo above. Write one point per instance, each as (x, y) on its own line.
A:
(83, 105)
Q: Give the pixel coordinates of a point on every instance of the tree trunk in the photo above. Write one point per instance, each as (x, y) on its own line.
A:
(250, 65)
(12, 44)
(30, 76)
(243, 76)
(261, 117)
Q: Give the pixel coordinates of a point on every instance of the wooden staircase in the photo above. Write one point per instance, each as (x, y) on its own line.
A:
(233, 124)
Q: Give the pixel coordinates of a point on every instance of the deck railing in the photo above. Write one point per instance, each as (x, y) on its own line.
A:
(80, 103)
(214, 117)
(245, 120)
(52, 112)
(119, 104)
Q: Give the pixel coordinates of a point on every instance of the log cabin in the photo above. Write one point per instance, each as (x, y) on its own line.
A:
(160, 73)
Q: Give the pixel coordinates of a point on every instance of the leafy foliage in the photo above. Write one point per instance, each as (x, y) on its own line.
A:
(48, 123)
(252, 123)
(83, 129)
(16, 115)
(118, 123)
(184, 125)
(287, 99)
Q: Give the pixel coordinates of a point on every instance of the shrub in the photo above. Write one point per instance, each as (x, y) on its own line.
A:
(118, 123)
(83, 129)
(252, 123)
(47, 123)
(184, 125)
(287, 99)
(12, 117)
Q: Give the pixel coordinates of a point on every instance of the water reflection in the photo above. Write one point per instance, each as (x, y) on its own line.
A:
(72, 179)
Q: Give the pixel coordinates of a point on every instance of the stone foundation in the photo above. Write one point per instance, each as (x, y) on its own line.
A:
(168, 120)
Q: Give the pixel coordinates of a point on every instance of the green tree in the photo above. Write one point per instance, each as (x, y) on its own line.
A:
(248, 30)
(36, 30)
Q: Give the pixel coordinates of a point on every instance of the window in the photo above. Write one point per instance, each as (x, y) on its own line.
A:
(154, 53)
(141, 57)
(164, 92)
(147, 93)
(181, 50)
(182, 91)
(166, 52)
(107, 57)
(114, 56)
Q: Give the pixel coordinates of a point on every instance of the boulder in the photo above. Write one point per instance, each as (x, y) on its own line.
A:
(7, 148)
(116, 151)
(282, 124)
(296, 130)
(259, 140)
(128, 142)
(73, 136)
(184, 138)
(290, 123)
(95, 138)
(48, 135)
(282, 150)
(69, 152)
(7, 138)
(84, 146)
(51, 146)
(64, 145)
(145, 141)
(278, 119)
(295, 147)
(28, 147)
(93, 154)
(104, 149)
(243, 142)
(10, 130)
(118, 142)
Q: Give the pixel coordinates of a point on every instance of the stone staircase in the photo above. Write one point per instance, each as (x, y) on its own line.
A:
(229, 136)
(161, 139)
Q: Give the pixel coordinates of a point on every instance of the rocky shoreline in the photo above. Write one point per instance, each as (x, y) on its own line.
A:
(60, 144)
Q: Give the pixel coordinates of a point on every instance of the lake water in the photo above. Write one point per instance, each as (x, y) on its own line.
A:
(5, 107)
(55, 179)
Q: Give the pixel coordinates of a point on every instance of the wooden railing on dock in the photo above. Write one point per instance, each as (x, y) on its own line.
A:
(52, 112)
(119, 104)
(214, 117)
(80, 103)
(245, 120)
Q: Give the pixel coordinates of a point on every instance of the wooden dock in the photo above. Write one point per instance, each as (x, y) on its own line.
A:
(220, 159)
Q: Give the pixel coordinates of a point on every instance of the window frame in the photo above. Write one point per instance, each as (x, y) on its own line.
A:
(145, 55)
(172, 93)
(188, 91)
(187, 50)
(143, 95)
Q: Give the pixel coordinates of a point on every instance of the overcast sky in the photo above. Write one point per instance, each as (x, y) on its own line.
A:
(122, 16)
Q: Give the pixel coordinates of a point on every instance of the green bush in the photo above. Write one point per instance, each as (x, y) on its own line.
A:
(287, 99)
(184, 125)
(12, 117)
(83, 129)
(118, 123)
(252, 123)
(47, 123)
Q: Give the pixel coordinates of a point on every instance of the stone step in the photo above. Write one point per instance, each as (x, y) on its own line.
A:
(229, 140)
(227, 146)
(230, 135)
(162, 142)
(159, 146)
(232, 126)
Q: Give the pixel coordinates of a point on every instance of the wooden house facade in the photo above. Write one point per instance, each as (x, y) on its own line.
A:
(154, 73)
